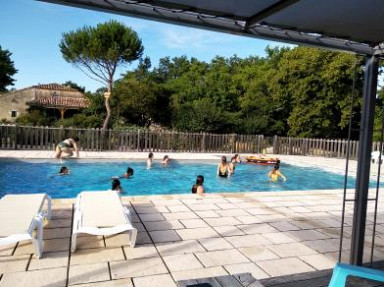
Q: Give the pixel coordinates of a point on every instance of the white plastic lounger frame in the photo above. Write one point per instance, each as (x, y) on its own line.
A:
(101, 213)
(20, 214)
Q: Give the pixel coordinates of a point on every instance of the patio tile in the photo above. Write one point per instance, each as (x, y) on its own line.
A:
(166, 202)
(326, 245)
(142, 251)
(223, 257)
(232, 212)
(54, 233)
(260, 211)
(319, 261)
(303, 235)
(222, 221)
(151, 217)
(53, 277)
(257, 253)
(87, 273)
(278, 238)
(207, 214)
(126, 282)
(52, 245)
(87, 242)
(249, 219)
(150, 209)
(227, 206)
(154, 281)
(179, 248)
(291, 249)
(49, 260)
(138, 226)
(61, 213)
(143, 238)
(257, 228)
(284, 226)
(137, 268)
(193, 223)
(96, 255)
(180, 215)
(118, 240)
(197, 233)
(248, 240)
(203, 206)
(212, 244)
(182, 262)
(13, 263)
(272, 217)
(164, 236)
(178, 208)
(55, 223)
(163, 225)
(252, 268)
(307, 224)
(285, 267)
(7, 249)
(228, 230)
(199, 273)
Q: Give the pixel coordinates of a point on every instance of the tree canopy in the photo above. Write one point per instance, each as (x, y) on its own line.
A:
(7, 70)
(98, 51)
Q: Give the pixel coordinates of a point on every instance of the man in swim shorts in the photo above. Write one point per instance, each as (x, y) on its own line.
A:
(67, 146)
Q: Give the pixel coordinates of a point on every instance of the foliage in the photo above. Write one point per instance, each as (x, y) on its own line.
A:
(7, 70)
(99, 51)
(36, 117)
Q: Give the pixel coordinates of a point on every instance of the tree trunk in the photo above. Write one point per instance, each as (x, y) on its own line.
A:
(108, 108)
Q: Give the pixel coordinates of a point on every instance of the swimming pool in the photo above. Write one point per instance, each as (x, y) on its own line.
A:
(35, 176)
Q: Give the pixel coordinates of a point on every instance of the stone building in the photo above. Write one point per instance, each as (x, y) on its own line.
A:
(48, 96)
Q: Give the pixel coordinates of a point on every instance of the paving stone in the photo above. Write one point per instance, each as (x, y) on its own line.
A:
(193, 223)
(55, 223)
(55, 233)
(50, 260)
(13, 263)
(252, 268)
(166, 202)
(207, 214)
(278, 238)
(257, 228)
(53, 277)
(260, 211)
(182, 262)
(326, 245)
(227, 206)
(319, 261)
(306, 224)
(163, 225)
(272, 217)
(179, 248)
(286, 266)
(284, 226)
(138, 226)
(87, 273)
(178, 208)
(61, 213)
(154, 281)
(89, 256)
(180, 215)
(249, 219)
(248, 240)
(222, 221)
(118, 240)
(257, 253)
(88, 242)
(150, 209)
(212, 244)
(304, 235)
(202, 207)
(199, 273)
(126, 282)
(223, 257)
(291, 249)
(228, 230)
(232, 212)
(52, 245)
(151, 217)
(7, 249)
(164, 236)
(137, 268)
(142, 251)
(197, 233)
(143, 238)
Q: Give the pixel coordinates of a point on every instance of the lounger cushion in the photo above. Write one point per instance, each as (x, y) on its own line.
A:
(101, 209)
(17, 212)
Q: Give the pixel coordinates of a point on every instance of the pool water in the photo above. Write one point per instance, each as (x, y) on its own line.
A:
(34, 176)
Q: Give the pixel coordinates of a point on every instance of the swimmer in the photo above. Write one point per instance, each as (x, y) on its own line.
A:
(67, 147)
(166, 160)
(198, 188)
(116, 186)
(128, 173)
(275, 174)
(64, 171)
(222, 168)
(150, 160)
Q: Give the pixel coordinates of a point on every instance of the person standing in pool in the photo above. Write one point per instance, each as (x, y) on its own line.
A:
(222, 168)
(128, 174)
(116, 186)
(198, 188)
(275, 174)
(67, 146)
(150, 160)
(166, 160)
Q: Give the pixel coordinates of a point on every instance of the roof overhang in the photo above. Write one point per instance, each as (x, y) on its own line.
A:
(347, 25)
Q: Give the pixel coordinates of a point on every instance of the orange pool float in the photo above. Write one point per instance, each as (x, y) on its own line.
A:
(262, 160)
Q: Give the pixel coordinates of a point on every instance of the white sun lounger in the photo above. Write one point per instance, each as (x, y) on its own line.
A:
(20, 214)
(101, 213)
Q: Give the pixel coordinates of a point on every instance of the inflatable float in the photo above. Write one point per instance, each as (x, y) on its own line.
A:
(262, 160)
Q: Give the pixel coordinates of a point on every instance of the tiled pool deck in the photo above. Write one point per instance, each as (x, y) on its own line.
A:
(180, 237)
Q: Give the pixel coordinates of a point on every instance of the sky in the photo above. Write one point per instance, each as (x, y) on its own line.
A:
(32, 30)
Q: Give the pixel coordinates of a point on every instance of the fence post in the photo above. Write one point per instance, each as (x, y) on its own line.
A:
(274, 144)
(233, 143)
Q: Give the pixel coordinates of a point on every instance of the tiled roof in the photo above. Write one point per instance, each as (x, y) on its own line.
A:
(64, 102)
(54, 86)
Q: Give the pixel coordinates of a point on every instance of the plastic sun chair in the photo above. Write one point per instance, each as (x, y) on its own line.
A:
(20, 214)
(101, 213)
(342, 271)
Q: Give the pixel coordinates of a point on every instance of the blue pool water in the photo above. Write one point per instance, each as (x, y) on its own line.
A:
(35, 176)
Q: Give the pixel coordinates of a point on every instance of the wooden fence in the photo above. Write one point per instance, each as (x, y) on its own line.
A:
(46, 138)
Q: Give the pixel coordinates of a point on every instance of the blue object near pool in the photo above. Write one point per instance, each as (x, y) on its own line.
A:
(38, 176)
(342, 271)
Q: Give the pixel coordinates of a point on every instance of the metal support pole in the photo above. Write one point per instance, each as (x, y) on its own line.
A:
(364, 157)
